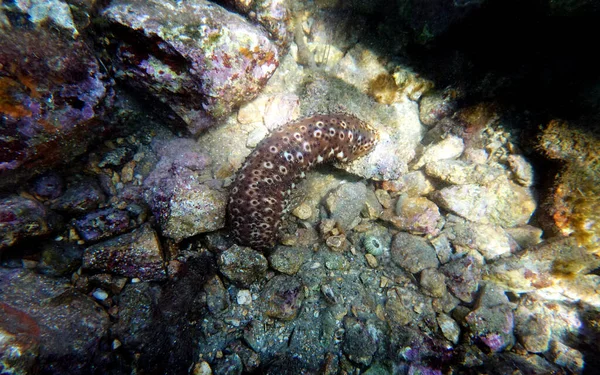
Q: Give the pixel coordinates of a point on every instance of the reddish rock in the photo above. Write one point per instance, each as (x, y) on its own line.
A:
(21, 218)
(51, 92)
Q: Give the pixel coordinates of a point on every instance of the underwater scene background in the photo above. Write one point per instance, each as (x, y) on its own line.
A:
(299, 187)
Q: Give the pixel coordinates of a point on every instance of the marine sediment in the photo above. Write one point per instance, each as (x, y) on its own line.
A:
(258, 197)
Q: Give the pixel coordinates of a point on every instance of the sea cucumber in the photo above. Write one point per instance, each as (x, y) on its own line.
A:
(259, 193)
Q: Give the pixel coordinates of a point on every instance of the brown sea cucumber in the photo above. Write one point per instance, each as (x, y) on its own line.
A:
(259, 194)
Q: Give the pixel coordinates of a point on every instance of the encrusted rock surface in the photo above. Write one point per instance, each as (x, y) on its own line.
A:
(52, 91)
(71, 326)
(135, 254)
(22, 218)
(196, 57)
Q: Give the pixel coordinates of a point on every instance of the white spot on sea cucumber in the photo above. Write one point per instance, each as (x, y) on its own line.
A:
(340, 155)
(268, 165)
(331, 132)
(300, 157)
(288, 156)
(283, 169)
(298, 136)
(319, 124)
(306, 146)
(331, 152)
(343, 124)
(317, 133)
(319, 158)
(341, 135)
(273, 149)
(350, 136)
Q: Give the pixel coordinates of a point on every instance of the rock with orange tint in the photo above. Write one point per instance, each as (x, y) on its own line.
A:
(51, 94)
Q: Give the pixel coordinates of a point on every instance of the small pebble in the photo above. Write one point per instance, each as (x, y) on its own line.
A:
(302, 212)
(116, 344)
(371, 260)
(100, 294)
(244, 297)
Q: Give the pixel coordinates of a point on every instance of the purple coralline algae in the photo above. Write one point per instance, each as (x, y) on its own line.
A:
(51, 92)
(182, 197)
(22, 218)
(194, 56)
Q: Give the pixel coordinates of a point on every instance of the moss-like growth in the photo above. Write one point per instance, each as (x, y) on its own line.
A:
(575, 206)
(384, 89)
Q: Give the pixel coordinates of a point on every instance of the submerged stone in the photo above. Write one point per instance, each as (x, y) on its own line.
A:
(194, 56)
(135, 254)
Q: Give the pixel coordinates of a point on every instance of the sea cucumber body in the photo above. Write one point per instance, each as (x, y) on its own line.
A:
(259, 194)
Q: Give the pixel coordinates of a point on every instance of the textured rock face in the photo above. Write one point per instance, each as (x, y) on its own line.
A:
(184, 201)
(70, 325)
(194, 56)
(51, 90)
(21, 218)
(134, 254)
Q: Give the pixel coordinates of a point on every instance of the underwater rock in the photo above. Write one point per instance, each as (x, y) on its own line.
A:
(492, 321)
(502, 203)
(281, 109)
(273, 15)
(51, 95)
(59, 259)
(242, 265)
(458, 172)
(522, 170)
(20, 343)
(436, 105)
(525, 235)
(22, 218)
(102, 224)
(217, 298)
(557, 267)
(48, 186)
(533, 325)
(462, 277)
(345, 203)
(194, 56)
(413, 184)
(135, 254)
(282, 297)
(449, 328)
(574, 206)
(413, 253)
(359, 343)
(184, 200)
(416, 215)
(71, 325)
(450, 147)
(489, 240)
(433, 282)
(565, 356)
(81, 197)
(288, 260)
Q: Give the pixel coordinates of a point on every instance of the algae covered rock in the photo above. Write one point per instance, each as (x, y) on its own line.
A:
(194, 56)
(52, 92)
